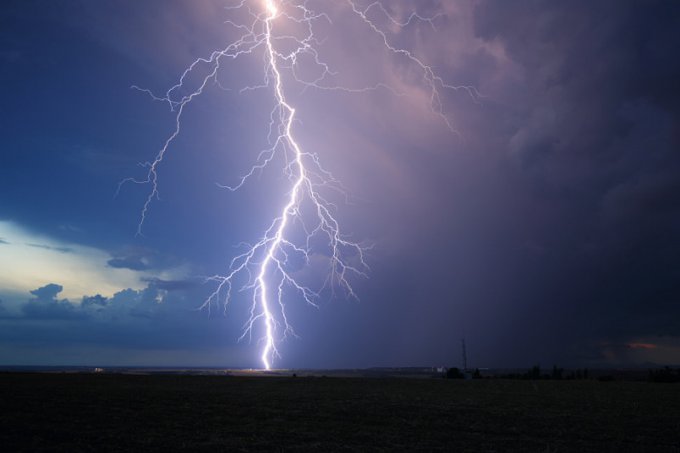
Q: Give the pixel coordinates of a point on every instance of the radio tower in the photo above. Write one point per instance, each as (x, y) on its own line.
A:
(462, 343)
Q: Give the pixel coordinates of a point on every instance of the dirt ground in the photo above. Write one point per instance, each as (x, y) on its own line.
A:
(117, 412)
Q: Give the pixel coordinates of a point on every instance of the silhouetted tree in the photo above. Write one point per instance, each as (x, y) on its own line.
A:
(454, 373)
(557, 372)
(664, 375)
(534, 372)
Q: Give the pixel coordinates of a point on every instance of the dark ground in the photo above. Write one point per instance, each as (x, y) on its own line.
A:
(88, 412)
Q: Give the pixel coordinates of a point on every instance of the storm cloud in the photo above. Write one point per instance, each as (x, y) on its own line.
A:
(543, 229)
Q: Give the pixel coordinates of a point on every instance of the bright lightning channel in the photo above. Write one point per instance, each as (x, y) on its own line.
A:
(302, 178)
(265, 263)
(271, 8)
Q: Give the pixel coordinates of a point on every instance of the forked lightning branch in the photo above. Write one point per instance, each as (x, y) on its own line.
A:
(265, 265)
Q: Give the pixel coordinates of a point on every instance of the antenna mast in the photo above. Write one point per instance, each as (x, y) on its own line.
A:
(462, 342)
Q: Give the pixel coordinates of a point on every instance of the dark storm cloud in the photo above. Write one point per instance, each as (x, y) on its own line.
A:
(552, 226)
(153, 301)
(47, 292)
(595, 144)
(49, 247)
(142, 259)
(173, 285)
(97, 301)
(120, 328)
(126, 303)
(135, 263)
(45, 304)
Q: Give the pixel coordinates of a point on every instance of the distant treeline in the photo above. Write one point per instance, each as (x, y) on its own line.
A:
(666, 374)
(557, 373)
(533, 373)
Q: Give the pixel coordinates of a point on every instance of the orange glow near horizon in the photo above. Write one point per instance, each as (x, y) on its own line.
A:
(642, 346)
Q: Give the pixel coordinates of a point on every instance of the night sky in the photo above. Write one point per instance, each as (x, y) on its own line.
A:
(545, 229)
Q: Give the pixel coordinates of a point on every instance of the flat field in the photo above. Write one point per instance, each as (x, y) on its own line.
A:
(118, 412)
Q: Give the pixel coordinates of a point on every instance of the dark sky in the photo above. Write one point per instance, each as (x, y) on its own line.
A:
(545, 229)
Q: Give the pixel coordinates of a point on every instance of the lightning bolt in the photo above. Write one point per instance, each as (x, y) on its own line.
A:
(265, 264)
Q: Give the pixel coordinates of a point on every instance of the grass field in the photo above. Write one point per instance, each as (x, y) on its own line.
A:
(88, 412)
